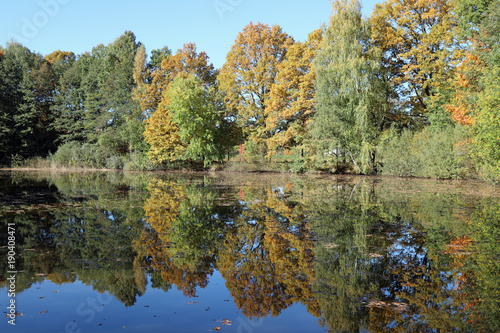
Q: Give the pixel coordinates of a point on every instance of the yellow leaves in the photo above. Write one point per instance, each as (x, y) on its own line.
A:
(419, 45)
(186, 60)
(57, 56)
(291, 99)
(162, 134)
(249, 72)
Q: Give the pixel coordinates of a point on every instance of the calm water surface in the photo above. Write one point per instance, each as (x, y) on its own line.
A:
(114, 252)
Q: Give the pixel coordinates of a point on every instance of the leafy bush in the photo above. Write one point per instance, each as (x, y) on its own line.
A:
(436, 153)
(87, 155)
(64, 154)
(114, 162)
(399, 156)
(139, 161)
(441, 153)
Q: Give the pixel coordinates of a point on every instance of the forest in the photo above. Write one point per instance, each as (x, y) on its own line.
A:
(413, 90)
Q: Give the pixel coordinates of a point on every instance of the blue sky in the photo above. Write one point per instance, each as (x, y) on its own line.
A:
(76, 25)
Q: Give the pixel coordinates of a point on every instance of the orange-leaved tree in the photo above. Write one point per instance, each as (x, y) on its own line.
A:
(291, 104)
(248, 74)
(419, 46)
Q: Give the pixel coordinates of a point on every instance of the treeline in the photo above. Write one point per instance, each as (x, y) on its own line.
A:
(411, 91)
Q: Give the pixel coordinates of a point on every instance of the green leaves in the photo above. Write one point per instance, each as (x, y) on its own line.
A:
(348, 114)
(26, 99)
(198, 110)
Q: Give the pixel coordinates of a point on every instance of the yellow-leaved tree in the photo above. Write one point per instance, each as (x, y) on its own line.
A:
(419, 47)
(248, 74)
(291, 103)
(161, 131)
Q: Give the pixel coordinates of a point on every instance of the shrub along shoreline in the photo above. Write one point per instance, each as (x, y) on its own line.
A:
(427, 154)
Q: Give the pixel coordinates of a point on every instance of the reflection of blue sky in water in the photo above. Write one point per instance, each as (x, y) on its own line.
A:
(80, 307)
(355, 238)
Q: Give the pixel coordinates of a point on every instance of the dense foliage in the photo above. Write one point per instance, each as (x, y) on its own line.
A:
(412, 90)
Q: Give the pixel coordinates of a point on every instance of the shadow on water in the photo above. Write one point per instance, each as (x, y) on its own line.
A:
(359, 254)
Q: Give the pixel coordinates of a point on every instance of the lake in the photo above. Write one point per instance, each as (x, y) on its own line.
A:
(200, 252)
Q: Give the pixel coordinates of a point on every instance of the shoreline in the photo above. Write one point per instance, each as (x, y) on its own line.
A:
(224, 171)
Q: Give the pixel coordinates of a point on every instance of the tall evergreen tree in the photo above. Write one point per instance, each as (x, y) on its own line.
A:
(26, 89)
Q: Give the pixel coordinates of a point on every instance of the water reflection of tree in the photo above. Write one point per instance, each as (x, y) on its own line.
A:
(383, 261)
(359, 255)
(345, 274)
(77, 236)
(181, 242)
(459, 291)
(266, 258)
(261, 244)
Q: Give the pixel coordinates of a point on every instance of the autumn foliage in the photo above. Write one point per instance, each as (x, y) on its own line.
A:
(341, 100)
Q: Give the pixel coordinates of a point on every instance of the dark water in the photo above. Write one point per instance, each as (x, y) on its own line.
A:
(106, 252)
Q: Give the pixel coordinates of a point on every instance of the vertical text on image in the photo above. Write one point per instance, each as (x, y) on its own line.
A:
(11, 273)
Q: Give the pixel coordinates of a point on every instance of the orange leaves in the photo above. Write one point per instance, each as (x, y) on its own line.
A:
(250, 71)
(466, 86)
(458, 245)
(291, 102)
